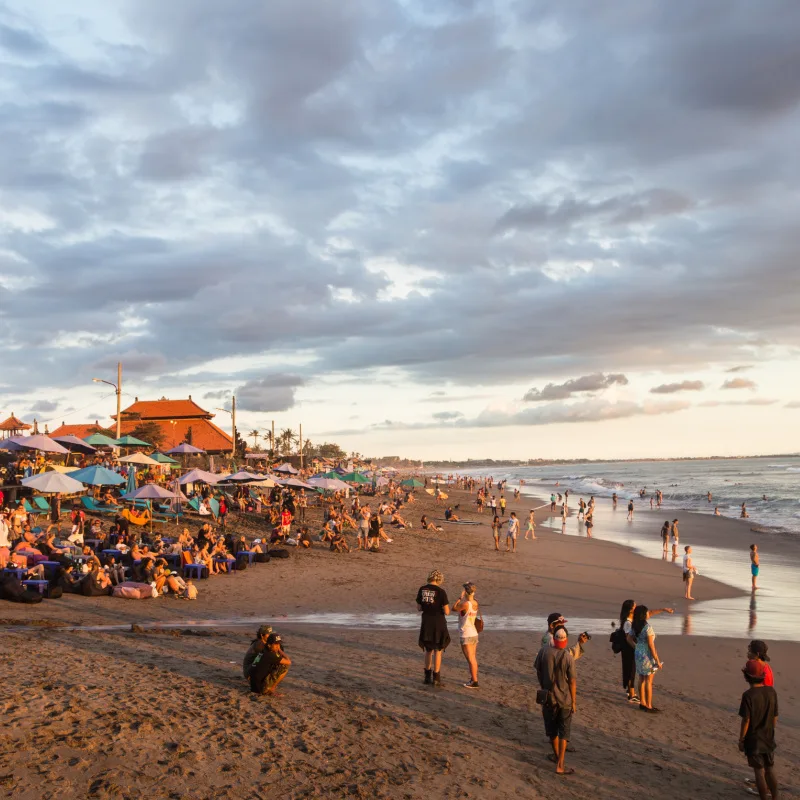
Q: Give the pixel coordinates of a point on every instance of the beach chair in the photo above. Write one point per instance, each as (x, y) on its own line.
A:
(91, 505)
(42, 504)
(194, 505)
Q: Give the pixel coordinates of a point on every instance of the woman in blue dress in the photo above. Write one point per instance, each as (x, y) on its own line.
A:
(643, 639)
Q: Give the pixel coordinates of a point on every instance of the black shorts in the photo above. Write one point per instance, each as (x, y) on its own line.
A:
(760, 760)
(557, 721)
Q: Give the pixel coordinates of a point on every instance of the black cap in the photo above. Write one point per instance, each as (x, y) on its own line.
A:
(555, 617)
(274, 638)
(759, 648)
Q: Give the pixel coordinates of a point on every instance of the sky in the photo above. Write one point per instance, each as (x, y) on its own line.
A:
(506, 229)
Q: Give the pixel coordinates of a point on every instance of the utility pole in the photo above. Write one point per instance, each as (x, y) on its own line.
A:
(119, 399)
(233, 422)
(301, 447)
(272, 443)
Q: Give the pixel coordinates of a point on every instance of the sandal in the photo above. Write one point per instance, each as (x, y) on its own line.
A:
(567, 771)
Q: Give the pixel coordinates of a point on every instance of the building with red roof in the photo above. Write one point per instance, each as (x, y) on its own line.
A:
(12, 427)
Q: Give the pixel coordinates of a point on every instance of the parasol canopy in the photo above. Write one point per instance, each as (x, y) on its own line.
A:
(100, 440)
(286, 469)
(131, 441)
(184, 448)
(97, 476)
(139, 458)
(150, 491)
(74, 444)
(53, 483)
(412, 483)
(36, 442)
(199, 476)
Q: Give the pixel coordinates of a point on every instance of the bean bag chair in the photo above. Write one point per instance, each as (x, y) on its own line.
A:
(262, 558)
(131, 590)
(13, 590)
(279, 553)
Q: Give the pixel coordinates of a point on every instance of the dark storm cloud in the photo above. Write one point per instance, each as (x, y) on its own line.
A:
(271, 393)
(562, 391)
(683, 386)
(587, 187)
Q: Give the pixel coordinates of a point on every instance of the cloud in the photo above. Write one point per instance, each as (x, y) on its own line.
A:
(445, 416)
(588, 383)
(742, 368)
(222, 394)
(44, 406)
(270, 393)
(683, 386)
(739, 383)
(755, 401)
(133, 362)
(793, 404)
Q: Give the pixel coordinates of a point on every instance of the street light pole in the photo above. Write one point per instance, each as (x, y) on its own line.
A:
(118, 389)
(232, 412)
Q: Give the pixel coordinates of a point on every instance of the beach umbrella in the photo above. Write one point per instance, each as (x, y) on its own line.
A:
(131, 441)
(97, 476)
(286, 469)
(151, 491)
(162, 459)
(412, 483)
(264, 483)
(100, 440)
(184, 449)
(53, 483)
(354, 477)
(36, 442)
(74, 444)
(295, 483)
(131, 482)
(242, 477)
(328, 484)
(199, 476)
(141, 459)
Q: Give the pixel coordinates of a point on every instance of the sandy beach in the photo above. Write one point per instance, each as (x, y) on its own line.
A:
(165, 712)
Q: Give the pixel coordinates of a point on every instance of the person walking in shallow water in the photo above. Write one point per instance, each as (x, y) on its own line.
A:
(630, 511)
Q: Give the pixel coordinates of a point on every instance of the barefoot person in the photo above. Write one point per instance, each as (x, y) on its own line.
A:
(434, 637)
(630, 511)
(665, 538)
(496, 532)
(689, 572)
(555, 669)
(754, 564)
(269, 667)
(627, 650)
(531, 527)
(676, 538)
(643, 640)
(467, 608)
(759, 713)
(512, 531)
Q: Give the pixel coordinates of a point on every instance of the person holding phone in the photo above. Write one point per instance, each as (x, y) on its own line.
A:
(467, 608)
(643, 639)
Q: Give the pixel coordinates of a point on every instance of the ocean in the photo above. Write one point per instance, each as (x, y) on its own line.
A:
(684, 484)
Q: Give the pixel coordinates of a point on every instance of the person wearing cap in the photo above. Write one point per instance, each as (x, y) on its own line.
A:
(434, 637)
(758, 650)
(256, 648)
(270, 666)
(556, 620)
(759, 713)
(555, 670)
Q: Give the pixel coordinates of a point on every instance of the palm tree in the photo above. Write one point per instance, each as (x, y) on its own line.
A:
(287, 438)
(255, 434)
(308, 448)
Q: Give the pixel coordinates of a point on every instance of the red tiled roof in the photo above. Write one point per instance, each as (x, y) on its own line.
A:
(81, 431)
(205, 434)
(13, 424)
(166, 409)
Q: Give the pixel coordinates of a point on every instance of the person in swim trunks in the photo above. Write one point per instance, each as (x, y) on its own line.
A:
(754, 564)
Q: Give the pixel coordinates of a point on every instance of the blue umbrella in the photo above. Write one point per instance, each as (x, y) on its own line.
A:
(97, 476)
(131, 487)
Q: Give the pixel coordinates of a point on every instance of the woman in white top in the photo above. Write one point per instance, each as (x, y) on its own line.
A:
(467, 608)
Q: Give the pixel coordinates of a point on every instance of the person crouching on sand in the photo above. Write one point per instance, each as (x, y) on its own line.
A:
(269, 667)
(256, 648)
(467, 608)
(434, 637)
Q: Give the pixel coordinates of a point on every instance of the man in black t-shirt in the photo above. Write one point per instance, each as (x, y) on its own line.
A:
(269, 667)
(759, 713)
(434, 637)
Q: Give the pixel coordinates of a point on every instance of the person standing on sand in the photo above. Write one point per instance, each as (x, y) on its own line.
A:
(531, 528)
(512, 531)
(630, 510)
(758, 650)
(496, 532)
(502, 505)
(689, 572)
(643, 640)
(627, 651)
(555, 669)
(754, 564)
(589, 525)
(665, 538)
(434, 637)
(759, 714)
(614, 501)
(467, 608)
(676, 538)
